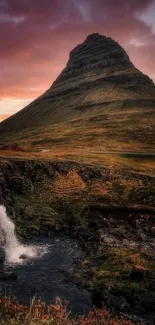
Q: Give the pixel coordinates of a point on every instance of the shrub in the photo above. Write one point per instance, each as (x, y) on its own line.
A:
(13, 313)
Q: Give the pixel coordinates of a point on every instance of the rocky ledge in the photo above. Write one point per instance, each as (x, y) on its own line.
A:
(112, 213)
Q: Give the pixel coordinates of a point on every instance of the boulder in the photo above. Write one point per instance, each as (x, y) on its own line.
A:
(23, 257)
(1, 260)
(8, 276)
(2, 257)
(119, 303)
(97, 299)
(139, 273)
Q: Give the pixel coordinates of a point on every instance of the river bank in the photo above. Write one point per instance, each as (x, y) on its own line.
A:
(111, 212)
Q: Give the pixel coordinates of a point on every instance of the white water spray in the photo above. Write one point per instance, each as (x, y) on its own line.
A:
(13, 248)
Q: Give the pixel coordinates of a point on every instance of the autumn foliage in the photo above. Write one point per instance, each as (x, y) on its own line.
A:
(39, 313)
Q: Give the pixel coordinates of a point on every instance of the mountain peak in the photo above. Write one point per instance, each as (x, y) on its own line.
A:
(101, 47)
(95, 36)
(98, 78)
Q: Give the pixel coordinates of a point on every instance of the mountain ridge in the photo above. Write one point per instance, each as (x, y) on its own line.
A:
(98, 83)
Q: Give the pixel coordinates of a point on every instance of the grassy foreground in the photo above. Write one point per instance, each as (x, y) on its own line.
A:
(56, 314)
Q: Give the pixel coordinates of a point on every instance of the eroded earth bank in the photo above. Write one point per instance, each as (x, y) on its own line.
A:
(111, 212)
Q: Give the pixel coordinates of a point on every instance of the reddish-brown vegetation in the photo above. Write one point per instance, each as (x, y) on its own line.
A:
(12, 313)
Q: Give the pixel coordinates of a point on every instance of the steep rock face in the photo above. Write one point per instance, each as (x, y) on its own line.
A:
(99, 76)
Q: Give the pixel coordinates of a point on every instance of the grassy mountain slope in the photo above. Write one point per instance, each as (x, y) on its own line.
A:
(99, 100)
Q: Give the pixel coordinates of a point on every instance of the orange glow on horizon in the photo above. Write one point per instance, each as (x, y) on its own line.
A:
(3, 117)
(36, 40)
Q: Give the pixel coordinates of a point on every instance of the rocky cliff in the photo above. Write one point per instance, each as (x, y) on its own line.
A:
(112, 213)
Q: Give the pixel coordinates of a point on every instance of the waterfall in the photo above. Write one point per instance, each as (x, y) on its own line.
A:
(8, 240)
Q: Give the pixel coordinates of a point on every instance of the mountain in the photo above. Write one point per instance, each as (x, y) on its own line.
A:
(99, 89)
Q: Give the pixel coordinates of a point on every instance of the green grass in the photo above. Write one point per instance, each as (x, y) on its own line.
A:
(120, 131)
(110, 272)
(43, 196)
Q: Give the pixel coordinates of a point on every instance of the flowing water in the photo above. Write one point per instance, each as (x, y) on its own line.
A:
(45, 273)
(46, 270)
(13, 248)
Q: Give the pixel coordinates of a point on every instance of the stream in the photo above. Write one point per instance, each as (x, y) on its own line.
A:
(44, 270)
(46, 275)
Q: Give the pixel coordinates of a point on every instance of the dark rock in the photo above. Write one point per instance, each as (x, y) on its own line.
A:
(148, 302)
(8, 276)
(97, 299)
(1, 262)
(2, 257)
(137, 223)
(92, 224)
(23, 257)
(139, 273)
(119, 303)
(153, 230)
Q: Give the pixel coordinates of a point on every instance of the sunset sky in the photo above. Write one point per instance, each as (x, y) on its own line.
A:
(36, 37)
